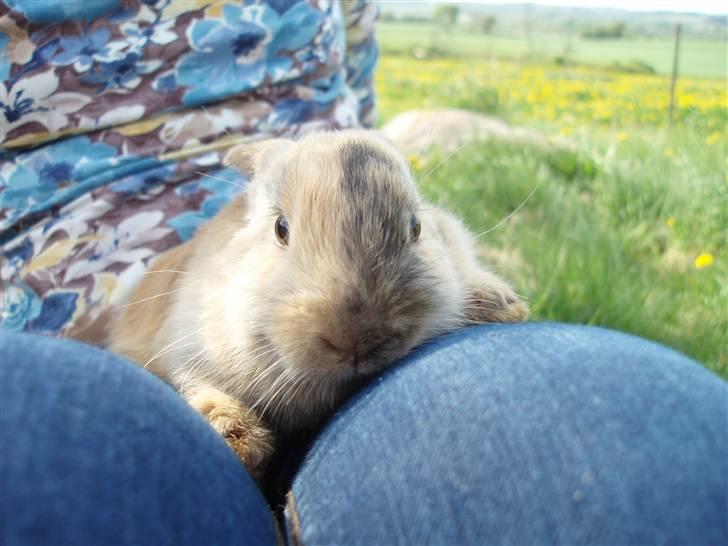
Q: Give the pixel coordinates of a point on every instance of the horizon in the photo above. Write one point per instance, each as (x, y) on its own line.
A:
(707, 7)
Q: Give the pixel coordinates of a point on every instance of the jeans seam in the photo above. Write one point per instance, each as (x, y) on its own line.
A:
(293, 522)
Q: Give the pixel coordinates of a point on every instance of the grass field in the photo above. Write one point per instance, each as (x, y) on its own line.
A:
(627, 226)
(701, 58)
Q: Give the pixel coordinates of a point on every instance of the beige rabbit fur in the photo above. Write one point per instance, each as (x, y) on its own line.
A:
(263, 334)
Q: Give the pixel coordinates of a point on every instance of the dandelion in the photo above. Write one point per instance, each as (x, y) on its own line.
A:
(704, 259)
(416, 162)
(670, 222)
(566, 131)
(567, 97)
(713, 138)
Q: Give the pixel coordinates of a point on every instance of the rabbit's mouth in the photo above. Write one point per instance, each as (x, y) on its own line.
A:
(377, 359)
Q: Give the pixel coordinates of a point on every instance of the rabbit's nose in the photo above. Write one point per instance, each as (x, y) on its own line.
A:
(351, 350)
(334, 346)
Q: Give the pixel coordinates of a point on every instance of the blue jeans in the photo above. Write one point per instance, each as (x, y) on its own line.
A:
(502, 434)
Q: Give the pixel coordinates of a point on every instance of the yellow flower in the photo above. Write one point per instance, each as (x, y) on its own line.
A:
(416, 162)
(704, 259)
(669, 152)
(622, 136)
(566, 131)
(713, 138)
(670, 222)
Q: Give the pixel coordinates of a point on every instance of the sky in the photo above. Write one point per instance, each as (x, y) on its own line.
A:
(695, 6)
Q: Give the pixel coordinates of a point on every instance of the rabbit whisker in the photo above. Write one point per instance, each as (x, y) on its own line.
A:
(447, 158)
(164, 349)
(220, 179)
(147, 299)
(499, 224)
(194, 366)
(166, 271)
(224, 129)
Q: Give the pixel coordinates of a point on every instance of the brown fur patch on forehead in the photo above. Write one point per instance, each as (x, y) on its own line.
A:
(378, 196)
(364, 165)
(349, 197)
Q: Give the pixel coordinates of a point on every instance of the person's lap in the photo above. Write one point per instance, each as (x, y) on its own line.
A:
(97, 451)
(534, 433)
(523, 434)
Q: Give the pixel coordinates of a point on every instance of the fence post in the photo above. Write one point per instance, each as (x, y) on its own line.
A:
(673, 81)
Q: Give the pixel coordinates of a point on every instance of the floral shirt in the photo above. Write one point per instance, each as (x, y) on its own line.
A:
(114, 116)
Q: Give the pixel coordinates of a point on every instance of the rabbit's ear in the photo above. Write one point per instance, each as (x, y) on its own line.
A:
(250, 157)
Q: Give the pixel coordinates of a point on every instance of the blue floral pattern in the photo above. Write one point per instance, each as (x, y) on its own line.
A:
(114, 117)
(120, 73)
(39, 175)
(234, 41)
(220, 186)
(4, 63)
(81, 51)
(49, 11)
(20, 305)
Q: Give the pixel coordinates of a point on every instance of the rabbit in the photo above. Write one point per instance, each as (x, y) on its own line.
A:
(327, 270)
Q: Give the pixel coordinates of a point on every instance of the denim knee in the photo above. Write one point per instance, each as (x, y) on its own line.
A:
(530, 433)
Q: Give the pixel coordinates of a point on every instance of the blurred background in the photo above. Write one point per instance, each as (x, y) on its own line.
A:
(621, 179)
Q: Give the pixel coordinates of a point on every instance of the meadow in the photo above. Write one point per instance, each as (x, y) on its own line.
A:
(699, 58)
(626, 223)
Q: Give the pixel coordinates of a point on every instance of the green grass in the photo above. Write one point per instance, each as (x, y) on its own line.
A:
(702, 58)
(617, 219)
(593, 246)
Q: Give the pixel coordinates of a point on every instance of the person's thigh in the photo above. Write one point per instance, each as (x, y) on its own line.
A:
(96, 451)
(523, 434)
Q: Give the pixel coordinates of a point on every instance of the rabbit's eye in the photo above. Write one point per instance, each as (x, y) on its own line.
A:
(281, 229)
(415, 228)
